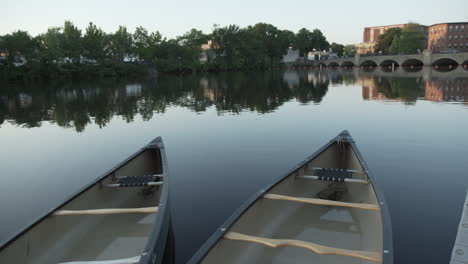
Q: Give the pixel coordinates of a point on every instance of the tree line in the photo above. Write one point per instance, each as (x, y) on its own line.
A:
(67, 50)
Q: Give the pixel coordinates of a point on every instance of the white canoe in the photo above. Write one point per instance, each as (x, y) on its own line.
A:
(326, 210)
(121, 217)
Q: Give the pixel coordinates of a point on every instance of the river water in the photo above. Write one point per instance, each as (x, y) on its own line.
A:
(228, 135)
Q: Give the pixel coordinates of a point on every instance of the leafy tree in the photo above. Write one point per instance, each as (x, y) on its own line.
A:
(272, 43)
(193, 37)
(386, 40)
(50, 45)
(303, 41)
(307, 41)
(71, 42)
(146, 44)
(121, 44)
(349, 50)
(412, 39)
(94, 43)
(16, 44)
(226, 41)
(337, 48)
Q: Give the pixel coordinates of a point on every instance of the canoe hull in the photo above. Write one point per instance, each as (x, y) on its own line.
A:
(84, 237)
(334, 226)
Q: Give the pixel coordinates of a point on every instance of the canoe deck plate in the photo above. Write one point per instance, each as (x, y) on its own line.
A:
(331, 174)
(133, 181)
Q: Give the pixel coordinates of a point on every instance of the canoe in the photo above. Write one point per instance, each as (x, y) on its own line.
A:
(328, 209)
(121, 217)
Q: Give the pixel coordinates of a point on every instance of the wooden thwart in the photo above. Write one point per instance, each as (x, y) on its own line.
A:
(321, 202)
(319, 249)
(143, 210)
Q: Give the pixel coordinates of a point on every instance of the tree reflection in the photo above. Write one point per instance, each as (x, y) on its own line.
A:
(79, 104)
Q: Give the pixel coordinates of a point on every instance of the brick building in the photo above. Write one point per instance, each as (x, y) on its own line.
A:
(371, 34)
(448, 37)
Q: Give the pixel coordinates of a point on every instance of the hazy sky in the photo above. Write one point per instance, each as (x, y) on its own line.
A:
(340, 20)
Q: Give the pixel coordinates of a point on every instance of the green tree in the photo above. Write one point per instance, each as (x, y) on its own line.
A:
(387, 39)
(71, 42)
(307, 41)
(17, 44)
(94, 43)
(121, 44)
(271, 43)
(337, 48)
(146, 44)
(193, 37)
(412, 39)
(226, 41)
(50, 45)
(349, 50)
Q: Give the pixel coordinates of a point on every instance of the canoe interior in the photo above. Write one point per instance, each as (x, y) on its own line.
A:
(340, 227)
(66, 238)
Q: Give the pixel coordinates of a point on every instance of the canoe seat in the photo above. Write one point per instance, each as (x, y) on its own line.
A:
(321, 202)
(332, 174)
(319, 249)
(137, 181)
(142, 210)
(134, 260)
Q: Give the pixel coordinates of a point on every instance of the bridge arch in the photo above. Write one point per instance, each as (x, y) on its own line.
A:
(347, 64)
(321, 64)
(412, 63)
(369, 63)
(445, 62)
(333, 64)
(387, 63)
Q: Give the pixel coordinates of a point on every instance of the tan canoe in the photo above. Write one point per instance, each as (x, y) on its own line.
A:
(327, 210)
(121, 217)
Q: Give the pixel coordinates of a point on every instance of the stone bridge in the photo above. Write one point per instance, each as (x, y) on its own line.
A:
(427, 58)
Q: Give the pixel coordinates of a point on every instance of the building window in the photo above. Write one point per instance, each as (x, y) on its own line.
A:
(456, 37)
(450, 37)
(456, 45)
(450, 28)
(462, 27)
(456, 28)
(450, 45)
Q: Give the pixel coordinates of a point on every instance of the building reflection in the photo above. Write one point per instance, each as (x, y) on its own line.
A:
(411, 89)
(447, 90)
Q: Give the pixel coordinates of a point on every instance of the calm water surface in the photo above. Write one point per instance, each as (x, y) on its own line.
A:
(228, 135)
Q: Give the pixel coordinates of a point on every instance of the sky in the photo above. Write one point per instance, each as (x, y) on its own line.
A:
(341, 21)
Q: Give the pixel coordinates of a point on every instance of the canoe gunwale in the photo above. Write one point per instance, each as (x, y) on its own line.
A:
(387, 254)
(162, 213)
(162, 226)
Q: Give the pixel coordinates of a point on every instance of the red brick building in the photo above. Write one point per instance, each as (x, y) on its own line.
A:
(448, 37)
(371, 34)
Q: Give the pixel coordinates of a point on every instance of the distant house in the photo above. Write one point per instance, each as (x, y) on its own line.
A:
(207, 52)
(321, 55)
(291, 56)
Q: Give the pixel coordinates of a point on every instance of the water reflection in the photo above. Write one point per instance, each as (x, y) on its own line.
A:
(78, 104)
